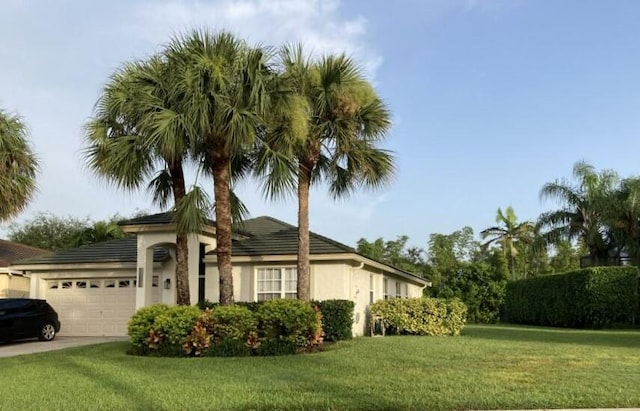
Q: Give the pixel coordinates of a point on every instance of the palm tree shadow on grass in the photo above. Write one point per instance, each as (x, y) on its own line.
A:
(610, 338)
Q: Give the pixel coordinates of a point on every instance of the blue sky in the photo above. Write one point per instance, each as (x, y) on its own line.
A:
(490, 98)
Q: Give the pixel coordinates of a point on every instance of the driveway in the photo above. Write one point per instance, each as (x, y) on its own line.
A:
(33, 346)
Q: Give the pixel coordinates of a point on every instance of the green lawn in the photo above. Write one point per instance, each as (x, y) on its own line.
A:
(488, 367)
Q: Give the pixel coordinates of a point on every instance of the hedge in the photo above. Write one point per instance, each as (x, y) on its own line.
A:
(594, 297)
(337, 318)
(421, 316)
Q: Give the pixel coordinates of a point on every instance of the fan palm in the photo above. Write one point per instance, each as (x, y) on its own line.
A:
(582, 207)
(221, 88)
(137, 138)
(508, 233)
(622, 215)
(18, 166)
(345, 119)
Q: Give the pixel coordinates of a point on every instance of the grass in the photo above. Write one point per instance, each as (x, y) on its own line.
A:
(489, 367)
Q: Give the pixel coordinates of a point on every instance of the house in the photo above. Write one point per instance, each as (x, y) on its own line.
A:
(13, 284)
(96, 288)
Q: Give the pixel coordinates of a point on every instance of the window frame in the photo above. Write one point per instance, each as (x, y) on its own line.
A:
(283, 282)
(398, 289)
(385, 288)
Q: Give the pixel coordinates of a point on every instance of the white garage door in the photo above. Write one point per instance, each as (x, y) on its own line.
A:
(94, 306)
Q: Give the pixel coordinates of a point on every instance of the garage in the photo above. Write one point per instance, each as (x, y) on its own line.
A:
(94, 306)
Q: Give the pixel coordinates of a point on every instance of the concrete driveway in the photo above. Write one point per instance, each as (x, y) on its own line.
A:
(61, 342)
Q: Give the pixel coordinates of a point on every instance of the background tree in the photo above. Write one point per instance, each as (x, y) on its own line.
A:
(447, 253)
(51, 232)
(18, 166)
(395, 253)
(581, 214)
(509, 233)
(621, 214)
(346, 120)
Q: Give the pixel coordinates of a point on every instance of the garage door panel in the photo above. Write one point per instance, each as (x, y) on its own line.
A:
(93, 307)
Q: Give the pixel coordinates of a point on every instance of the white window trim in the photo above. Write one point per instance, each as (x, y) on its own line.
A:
(283, 279)
(385, 288)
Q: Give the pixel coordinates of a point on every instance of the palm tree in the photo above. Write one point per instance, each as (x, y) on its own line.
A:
(18, 166)
(508, 233)
(220, 87)
(345, 119)
(621, 214)
(582, 207)
(98, 232)
(136, 138)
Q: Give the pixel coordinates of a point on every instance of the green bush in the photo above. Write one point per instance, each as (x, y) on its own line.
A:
(229, 348)
(231, 322)
(141, 324)
(251, 305)
(337, 318)
(288, 320)
(421, 316)
(594, 297)
(481, 288)
(173, 325)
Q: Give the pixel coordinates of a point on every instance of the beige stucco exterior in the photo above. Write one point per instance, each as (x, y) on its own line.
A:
(13, 286)
(345, 279)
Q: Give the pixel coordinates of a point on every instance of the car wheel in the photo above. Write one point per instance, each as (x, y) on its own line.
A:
(47, 332)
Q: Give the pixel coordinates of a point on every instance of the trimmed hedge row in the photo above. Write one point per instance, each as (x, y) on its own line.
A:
(421, 316)
(273, 327)
(337, 316)
(594, 297)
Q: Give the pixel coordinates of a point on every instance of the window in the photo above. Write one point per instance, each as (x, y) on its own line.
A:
(371, 295)
(81, 284)
(67, 284)
(155, 281)
(406, 290)
(53, 284)
(398, 290)
(94, 284)
(124, 283)
(274, 283)
(385, 284)
(109, 283)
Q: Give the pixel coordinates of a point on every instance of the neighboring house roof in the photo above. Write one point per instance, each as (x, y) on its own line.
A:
(10, 252)
(269, 236)
(115, 251)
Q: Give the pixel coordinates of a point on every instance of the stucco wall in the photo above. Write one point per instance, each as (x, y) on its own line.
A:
(14, 286)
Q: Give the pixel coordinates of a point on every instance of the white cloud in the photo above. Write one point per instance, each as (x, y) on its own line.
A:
(317, 24)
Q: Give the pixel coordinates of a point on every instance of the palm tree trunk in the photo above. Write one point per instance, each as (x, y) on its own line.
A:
(304, 183)
(221, 187)
(182, 249)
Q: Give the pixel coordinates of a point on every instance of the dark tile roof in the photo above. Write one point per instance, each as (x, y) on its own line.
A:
(115, 251)
(160, 218)
(269, 236)
(10, 252)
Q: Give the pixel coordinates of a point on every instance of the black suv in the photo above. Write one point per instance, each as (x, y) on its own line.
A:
(26, 318)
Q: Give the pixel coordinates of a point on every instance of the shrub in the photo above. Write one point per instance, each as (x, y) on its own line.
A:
(337, 318)
(594, 297)
(230, 322)
(276, 347)
(289, 320)
(229, 348)
(251, 305)
(206, 304)
(141, 324)
(172, 327)
(421, 316)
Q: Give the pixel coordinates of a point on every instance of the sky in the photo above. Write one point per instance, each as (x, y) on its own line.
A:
(490, 98)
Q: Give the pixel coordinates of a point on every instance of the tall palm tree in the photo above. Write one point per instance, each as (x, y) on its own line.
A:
(137, 138)
(621, 214)
(345, 119)
(582, 207)
(18, 166)
(508, 233)
(221, 88)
